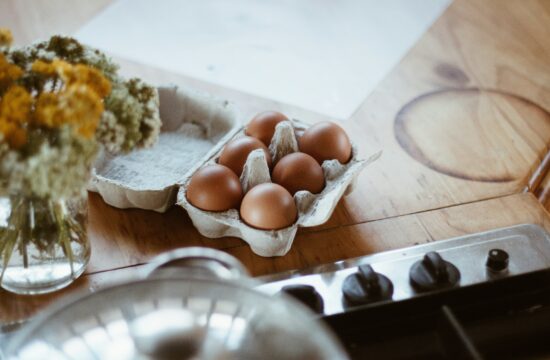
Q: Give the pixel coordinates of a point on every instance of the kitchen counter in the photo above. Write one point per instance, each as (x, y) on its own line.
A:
(463, 122)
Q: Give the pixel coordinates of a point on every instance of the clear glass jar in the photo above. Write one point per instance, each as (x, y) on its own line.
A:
(43, 243)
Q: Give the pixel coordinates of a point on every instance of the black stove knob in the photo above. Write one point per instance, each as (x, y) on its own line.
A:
(366, 286)
(497, 260)
(432, 272)
(307, 295)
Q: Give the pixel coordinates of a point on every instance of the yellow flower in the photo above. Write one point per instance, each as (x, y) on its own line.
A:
(56, 67)
(47, 112)
(90, 76)
(8, 72)
(75, 74)
(15, 109)
(85, 108)
(5, 37)
(15, 105)
(15, 136)
(76, 105)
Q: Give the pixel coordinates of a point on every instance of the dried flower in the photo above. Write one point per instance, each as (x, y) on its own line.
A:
(57, 169)
(66, 49)
(6, 39)
(78, 103)
(74, 74)
(134, 105)
(15, 105)
(8, 73)
(131, 116)
(15, 110)
(60, 102)
(77, 106)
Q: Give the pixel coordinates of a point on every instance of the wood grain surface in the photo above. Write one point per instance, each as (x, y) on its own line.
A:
(463, 121)
(333, 244)
(487, 135)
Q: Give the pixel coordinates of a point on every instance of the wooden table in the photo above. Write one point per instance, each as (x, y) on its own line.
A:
(463, 120)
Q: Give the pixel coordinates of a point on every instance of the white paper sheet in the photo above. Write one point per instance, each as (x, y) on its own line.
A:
(321, 55)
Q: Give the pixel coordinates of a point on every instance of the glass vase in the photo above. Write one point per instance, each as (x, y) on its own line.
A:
(43, 243)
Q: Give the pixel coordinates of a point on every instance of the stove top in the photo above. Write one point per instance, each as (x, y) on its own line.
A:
(484, 295)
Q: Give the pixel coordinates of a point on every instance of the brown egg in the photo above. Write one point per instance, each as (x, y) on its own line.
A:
(299, 171)
(268, 206)
(215, 188)
(326, 141)
(262, 126)
(235, 153)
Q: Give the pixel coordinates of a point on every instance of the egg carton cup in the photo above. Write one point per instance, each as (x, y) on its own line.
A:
(313, 209)
(193, 123)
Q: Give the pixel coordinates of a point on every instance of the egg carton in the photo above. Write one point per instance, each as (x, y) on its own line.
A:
(196, 127)
(313, 209)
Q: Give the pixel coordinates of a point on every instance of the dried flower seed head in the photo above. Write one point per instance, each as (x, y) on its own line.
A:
(6, 38)
(78, 103)
(8, 73)
(83, 107)
(74, 74)
(93, 78)
(15, 110)
(77, 106)
(15, 105)
(15, 136)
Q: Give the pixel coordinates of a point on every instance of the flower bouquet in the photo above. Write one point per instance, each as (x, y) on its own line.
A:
(60, 104)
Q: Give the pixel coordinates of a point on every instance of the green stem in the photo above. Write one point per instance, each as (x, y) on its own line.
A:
(77, 229)
(3, 235)
(12, 233)
(25, 231)
(8, 251)
(64, 235)
(23, 250)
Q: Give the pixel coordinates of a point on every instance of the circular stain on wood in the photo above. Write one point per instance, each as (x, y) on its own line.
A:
(474, 134)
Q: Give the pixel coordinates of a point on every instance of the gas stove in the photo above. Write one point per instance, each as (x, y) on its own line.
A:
(476, 296)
